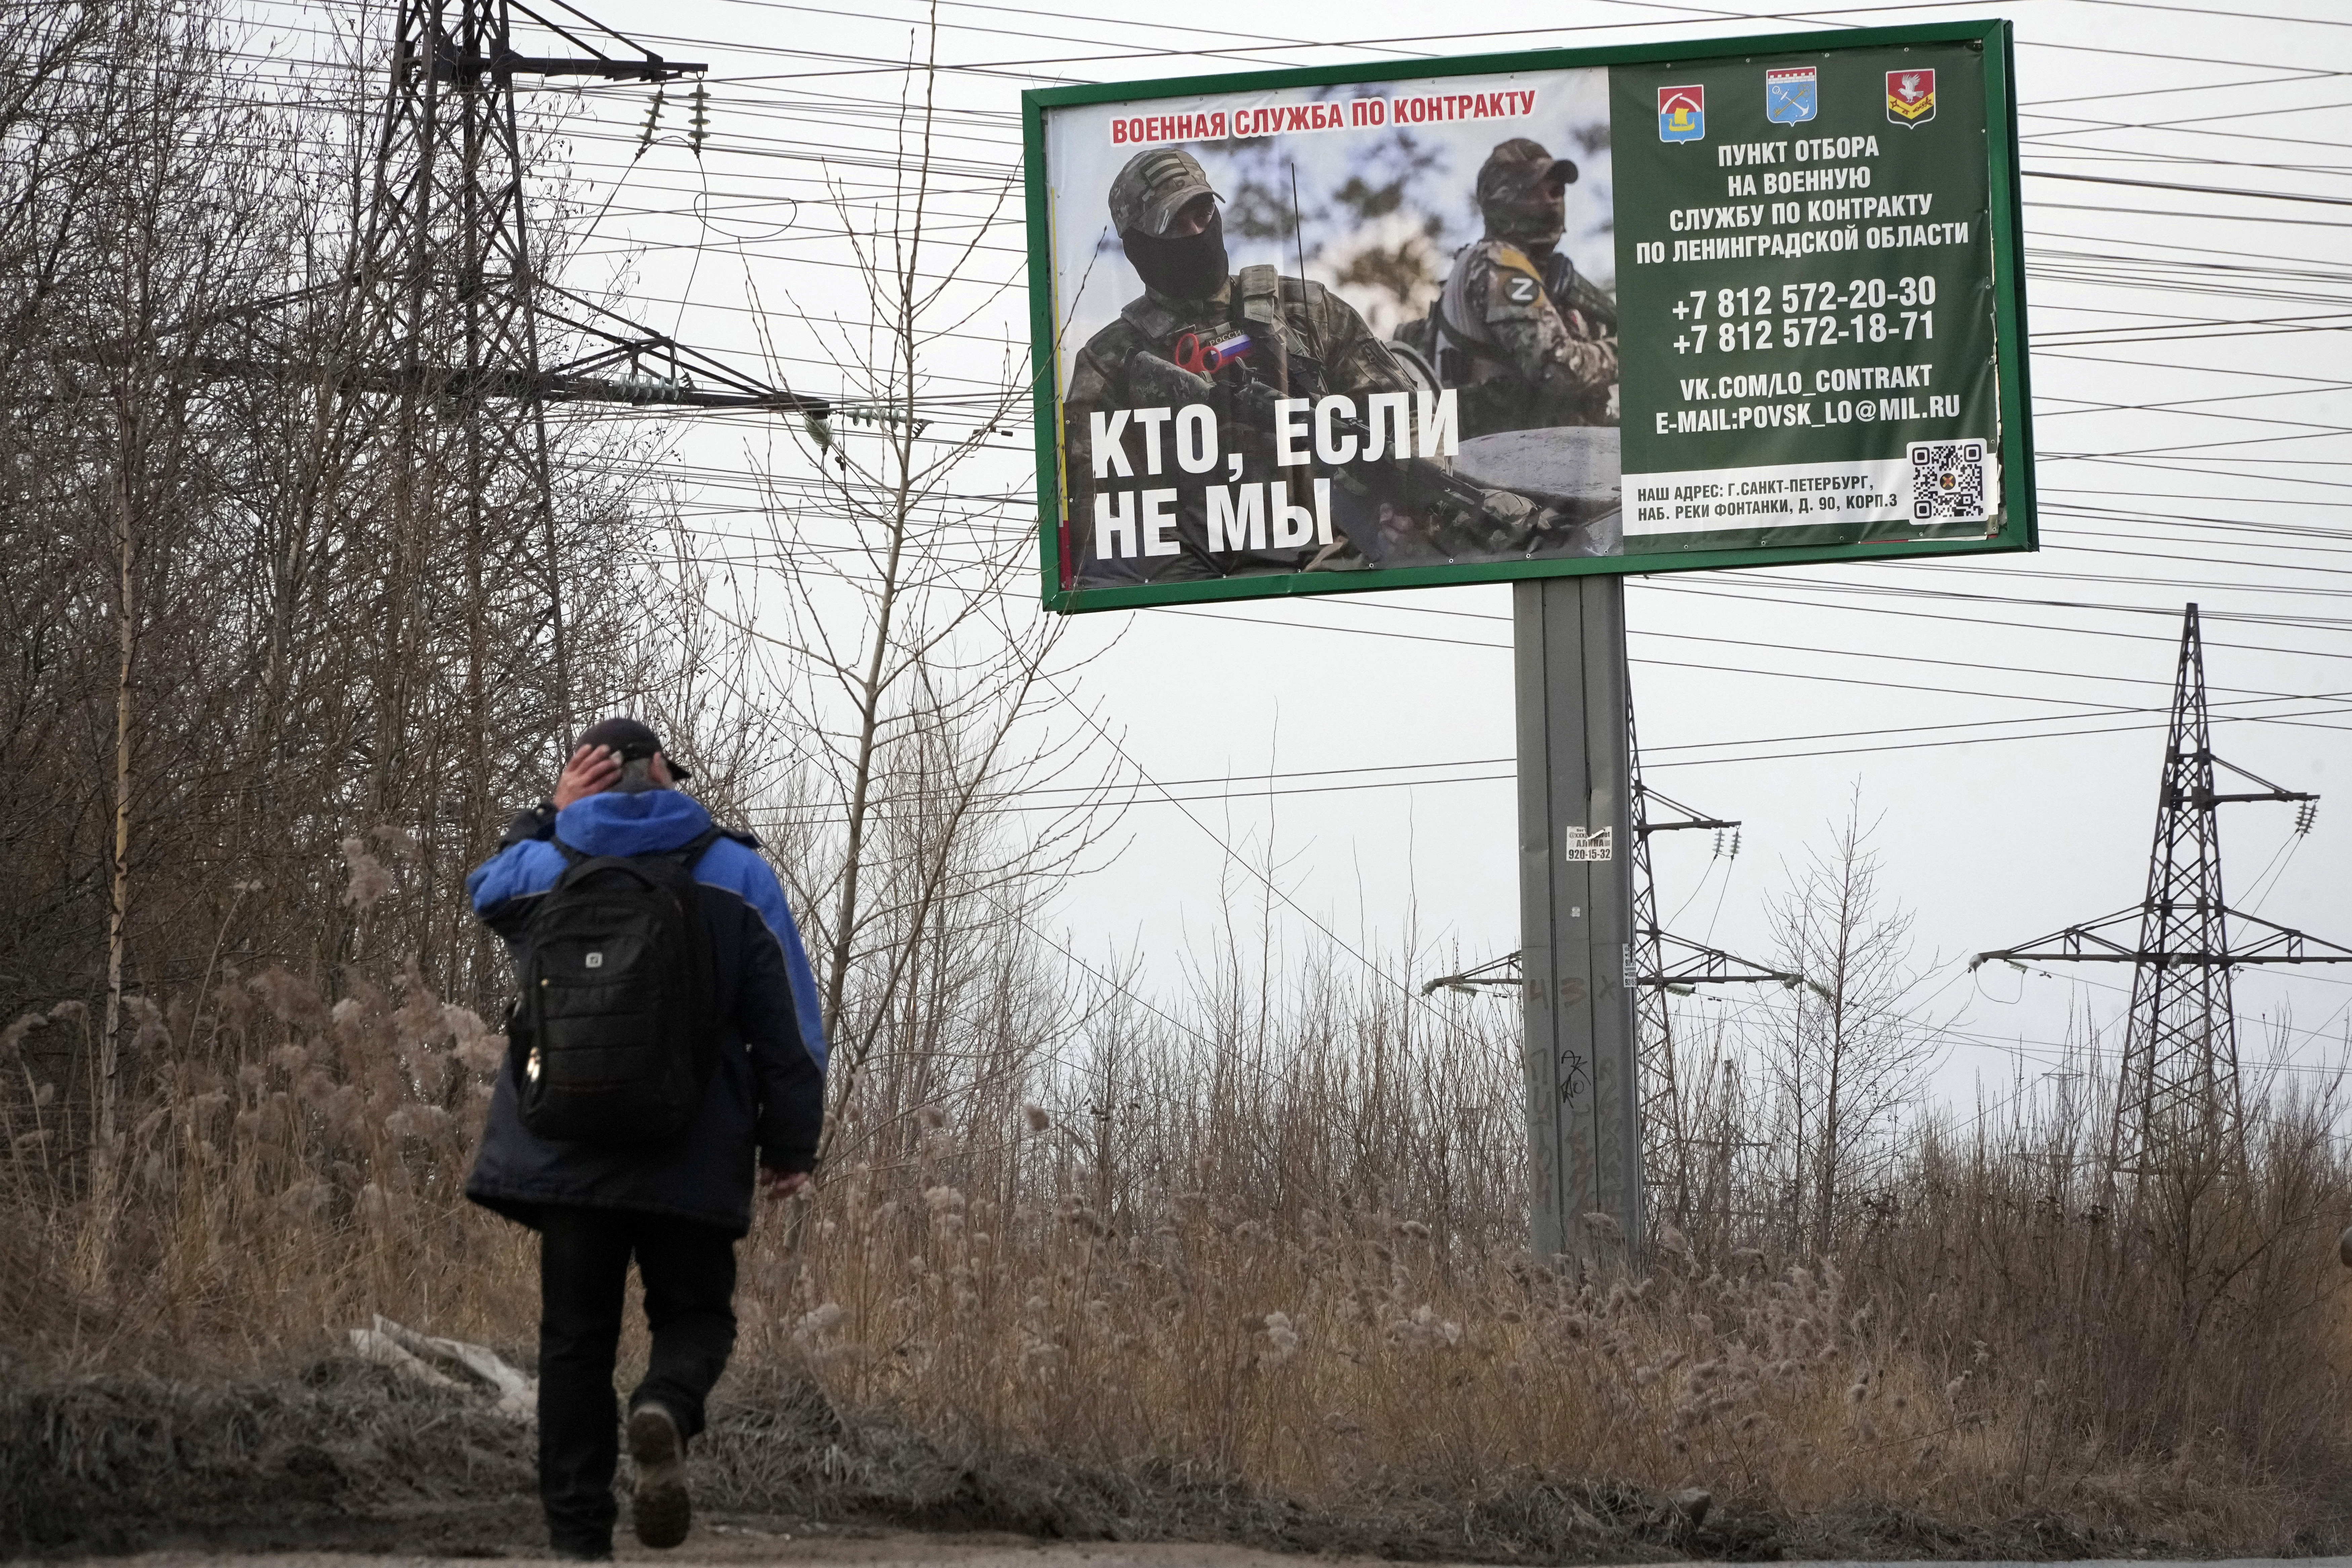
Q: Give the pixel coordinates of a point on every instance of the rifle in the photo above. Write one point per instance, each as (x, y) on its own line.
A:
(1574, 291)
(1254, 400)
(1455, 505)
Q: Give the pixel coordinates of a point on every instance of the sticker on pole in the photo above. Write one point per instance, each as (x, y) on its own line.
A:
(1592, 846)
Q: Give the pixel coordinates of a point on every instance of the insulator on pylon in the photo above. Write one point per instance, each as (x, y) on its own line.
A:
(2306, 814)
(653, 121)
(698, 122)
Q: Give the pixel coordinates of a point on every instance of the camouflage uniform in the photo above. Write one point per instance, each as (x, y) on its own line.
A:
(1516, 329)
(1306, 342)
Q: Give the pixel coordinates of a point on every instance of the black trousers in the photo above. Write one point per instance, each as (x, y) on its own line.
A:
(689, 1271)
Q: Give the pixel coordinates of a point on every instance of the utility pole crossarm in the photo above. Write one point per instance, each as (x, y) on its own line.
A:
(2282, 944)
(694, 379)
(557, 388)
(1699, 964)
(1502, 973)
(1690, 814)
(2268, 792)
(655, 69)
(503, 65)
(468, 61)
(2088, 944)
(507, 63)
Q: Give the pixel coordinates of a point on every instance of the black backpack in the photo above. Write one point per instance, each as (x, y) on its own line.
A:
(614, 1035)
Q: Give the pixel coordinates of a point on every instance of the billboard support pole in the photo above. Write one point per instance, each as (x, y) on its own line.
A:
(1576, 918)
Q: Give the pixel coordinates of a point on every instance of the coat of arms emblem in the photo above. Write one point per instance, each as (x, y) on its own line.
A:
(1911, 97)
(1791, 94)
(1681, 113)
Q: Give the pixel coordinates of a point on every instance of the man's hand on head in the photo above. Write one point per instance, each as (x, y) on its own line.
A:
(592, 770)
(782, 1184)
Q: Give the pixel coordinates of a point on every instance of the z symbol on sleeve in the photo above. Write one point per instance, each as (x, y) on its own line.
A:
(1791, 94)
(1681, 113)
(1911, 97)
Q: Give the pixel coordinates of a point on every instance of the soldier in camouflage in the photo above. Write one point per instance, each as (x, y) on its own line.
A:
(1530, 343)
(1306, 342)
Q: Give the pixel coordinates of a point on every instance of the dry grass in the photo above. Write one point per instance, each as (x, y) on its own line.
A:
(304, 1162)
(1288, 1263)
(1972, 1373)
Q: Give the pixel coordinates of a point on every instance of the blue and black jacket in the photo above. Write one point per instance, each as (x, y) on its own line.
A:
(766, 1100)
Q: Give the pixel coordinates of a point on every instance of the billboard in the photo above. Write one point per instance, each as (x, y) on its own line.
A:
(1732, 302)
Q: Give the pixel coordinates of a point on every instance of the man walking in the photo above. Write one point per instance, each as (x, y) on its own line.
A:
(619, 1129)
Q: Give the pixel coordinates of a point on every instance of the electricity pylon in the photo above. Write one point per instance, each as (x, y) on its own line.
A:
(2179, 1075)
(445, 295)
(1664, 965)
(444, 343)
(449, 344)
(446, 291)
(1658, 964)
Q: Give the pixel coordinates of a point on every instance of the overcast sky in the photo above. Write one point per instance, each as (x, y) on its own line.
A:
(2000, 718)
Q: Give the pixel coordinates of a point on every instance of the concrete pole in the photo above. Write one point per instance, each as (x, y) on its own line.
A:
(1576, 918)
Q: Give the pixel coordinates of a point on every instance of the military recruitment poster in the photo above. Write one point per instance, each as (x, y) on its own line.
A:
(1750, 302)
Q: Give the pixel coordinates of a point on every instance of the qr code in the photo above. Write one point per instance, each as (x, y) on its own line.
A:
(1947, 481)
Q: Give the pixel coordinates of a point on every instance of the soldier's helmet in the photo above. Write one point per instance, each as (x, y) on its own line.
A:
(1519, 192)
(1157, 183)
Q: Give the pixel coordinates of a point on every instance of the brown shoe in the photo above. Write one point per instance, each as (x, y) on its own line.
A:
(660, 1508)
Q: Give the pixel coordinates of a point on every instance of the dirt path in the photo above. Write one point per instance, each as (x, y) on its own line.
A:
(908, 1549)
(892, 1549)
(346, 1467)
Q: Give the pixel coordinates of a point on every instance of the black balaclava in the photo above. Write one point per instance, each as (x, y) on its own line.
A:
(1183, 265)
(1530, 218)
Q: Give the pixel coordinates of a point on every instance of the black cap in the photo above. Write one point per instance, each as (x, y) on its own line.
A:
(628, 740)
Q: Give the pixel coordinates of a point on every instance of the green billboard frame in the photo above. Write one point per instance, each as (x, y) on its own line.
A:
(2020, 530)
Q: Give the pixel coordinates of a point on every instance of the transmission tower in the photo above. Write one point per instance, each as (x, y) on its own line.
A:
(2179, 1075)
(1658, 965)
(445, 259)
(447, 322)
(1666, 966)
(446, 295)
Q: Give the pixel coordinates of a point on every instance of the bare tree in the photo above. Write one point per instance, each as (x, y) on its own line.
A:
(226, 640)
(1842, 1057)
(923, 684)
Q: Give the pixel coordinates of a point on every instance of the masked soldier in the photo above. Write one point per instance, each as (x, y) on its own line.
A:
(1530, 343)
(1302, 342)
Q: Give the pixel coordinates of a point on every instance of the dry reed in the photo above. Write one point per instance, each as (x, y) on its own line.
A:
(1286, 1257)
